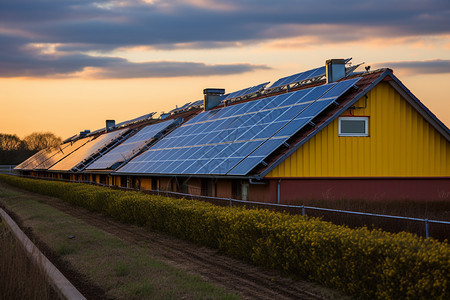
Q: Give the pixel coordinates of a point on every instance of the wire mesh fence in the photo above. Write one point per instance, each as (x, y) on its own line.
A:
(7, 169)
(392, 223)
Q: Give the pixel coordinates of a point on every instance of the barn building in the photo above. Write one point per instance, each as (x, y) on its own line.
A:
(326, 133)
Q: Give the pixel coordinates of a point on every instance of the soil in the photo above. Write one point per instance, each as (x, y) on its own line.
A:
(249, 281)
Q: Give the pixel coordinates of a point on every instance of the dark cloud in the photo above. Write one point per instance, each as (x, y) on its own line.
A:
(178, 22)
(436, 66)
(17, 60)
(79, 26)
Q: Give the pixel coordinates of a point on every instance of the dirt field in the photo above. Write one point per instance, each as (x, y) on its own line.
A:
(249, 281)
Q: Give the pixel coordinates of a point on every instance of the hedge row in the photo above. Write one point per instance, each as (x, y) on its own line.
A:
(361, 262)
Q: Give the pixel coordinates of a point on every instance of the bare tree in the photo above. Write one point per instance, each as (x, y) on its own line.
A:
(40, 140)
(10, 142)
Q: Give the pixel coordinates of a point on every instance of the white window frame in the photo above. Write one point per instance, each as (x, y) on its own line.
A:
(366, 119)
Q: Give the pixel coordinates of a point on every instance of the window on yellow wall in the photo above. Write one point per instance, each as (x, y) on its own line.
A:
(354, 126)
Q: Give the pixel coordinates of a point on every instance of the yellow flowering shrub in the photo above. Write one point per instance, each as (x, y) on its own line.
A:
(361, 262)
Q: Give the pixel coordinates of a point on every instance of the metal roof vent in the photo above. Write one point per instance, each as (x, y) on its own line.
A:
(110, 124)
(84, 133)
(164, 115)
(212, 97)
(335, 69)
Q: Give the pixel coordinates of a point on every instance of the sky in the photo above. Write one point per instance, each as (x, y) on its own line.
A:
(69, 65)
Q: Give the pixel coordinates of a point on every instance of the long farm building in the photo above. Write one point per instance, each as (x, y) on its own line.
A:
(327, 133)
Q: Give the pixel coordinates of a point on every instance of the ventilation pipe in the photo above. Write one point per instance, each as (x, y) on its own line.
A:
(110, 125)
(335, 69)
(212, 97)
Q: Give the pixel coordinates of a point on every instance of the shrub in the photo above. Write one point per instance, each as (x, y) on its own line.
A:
(362, 262)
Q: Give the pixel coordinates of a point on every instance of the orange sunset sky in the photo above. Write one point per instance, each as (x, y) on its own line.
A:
(66, 66)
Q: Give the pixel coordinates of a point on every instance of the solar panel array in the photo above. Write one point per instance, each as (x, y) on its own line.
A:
(235, 139)
(70, 138)
(101, 130)
(244, 92)
(187, 106)
(83, 152)
(59, 154)
(141, 118)
(299, 77)
(196, 103)
(39, 158)
(180, 108)
(129, 147)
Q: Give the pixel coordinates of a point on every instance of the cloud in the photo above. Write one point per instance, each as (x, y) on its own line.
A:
(18, 59)
(127, 23)
(76, 28)
(172, 69)
(434, 66)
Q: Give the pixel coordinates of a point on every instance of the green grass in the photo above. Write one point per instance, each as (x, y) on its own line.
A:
(7, 193)
(65, 249)
(121, 269)
(19, 277)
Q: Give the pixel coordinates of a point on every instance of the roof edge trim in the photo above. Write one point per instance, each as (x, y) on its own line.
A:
(420, 107)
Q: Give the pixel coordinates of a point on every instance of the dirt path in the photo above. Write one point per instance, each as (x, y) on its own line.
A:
(249, 281)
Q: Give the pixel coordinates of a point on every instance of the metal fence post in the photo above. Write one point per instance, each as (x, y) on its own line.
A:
(231, 202)
(427, 234)
(279, 191)
(303, 210)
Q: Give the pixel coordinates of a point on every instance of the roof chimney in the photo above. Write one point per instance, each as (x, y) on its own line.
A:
(335, 69)
(110, 125)
(212, 97)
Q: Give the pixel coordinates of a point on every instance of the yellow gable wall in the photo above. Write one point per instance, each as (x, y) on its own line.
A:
(400, 143)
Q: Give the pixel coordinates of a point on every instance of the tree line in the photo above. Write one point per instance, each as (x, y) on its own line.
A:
(14, 150)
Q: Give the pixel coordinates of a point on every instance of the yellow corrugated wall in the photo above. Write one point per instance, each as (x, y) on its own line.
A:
(400, 143)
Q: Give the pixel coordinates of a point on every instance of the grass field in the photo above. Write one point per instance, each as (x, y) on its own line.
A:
(20, 278)
(120, 269)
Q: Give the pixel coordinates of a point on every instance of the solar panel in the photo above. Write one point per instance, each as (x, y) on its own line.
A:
(70, 138)
(244, 92)
(290, 128)
(131, 146)
(86, 150)
(38, 158)
(101, 130)
(141, 118)
(59, 154)
(301, 76)
(257, 88)
(234, 139)
(180, 108)
(196, 103)
(23, 165)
